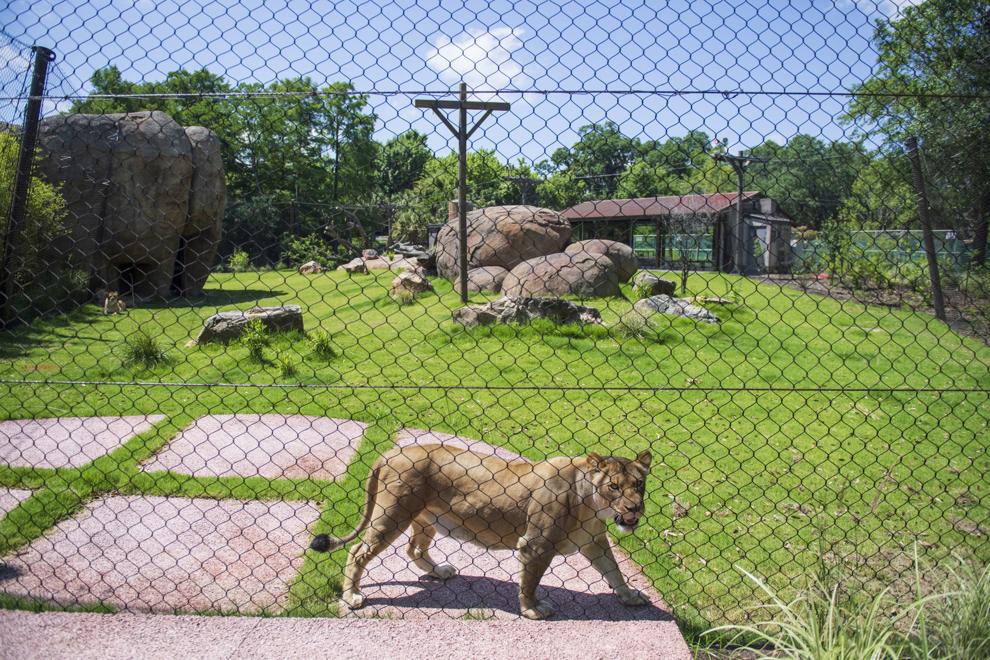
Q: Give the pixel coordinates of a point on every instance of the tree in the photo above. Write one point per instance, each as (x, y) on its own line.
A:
(600, 155)
(646, 177)
(881, 197)
(931, 81)
(401, 161)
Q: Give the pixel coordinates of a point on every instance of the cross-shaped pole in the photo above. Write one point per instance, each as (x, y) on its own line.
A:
(461, 132)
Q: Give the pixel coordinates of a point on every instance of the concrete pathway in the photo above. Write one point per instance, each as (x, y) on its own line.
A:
(67, 441)
(166, 554)
(271, 445)
(51, 636)
(10, 498)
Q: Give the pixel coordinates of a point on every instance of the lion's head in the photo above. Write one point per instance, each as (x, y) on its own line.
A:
(620, 488)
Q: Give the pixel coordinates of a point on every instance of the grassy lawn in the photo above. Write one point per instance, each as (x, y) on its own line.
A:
(776, 431)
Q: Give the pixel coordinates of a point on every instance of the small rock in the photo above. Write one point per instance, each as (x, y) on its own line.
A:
(228, 326)
(523, 310)
(412, 282)
(664, 304)
(369, 254)
(355, 266)
(654, 285)
(310, 268)
(378, 263)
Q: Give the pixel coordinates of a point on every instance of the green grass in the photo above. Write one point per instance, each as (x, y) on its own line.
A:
(821, 451)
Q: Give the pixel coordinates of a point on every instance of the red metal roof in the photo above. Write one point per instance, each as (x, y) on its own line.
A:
(654, 206)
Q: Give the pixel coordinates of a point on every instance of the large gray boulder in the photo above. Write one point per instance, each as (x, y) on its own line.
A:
(654, 285)
(503, 236)
(524, 310)
(486, 278)
(225, 327)
(583, 274)
(622, 255)
(145, 199)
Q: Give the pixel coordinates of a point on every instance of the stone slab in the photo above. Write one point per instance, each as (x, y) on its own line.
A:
(61, 442)
(270, 445)
(167, 554)
(407, 437)
(10, 498)
(55, 635)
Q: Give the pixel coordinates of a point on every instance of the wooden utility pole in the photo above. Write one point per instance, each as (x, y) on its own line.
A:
(461, 132)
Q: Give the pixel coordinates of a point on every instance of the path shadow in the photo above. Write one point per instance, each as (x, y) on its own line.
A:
(470, 592)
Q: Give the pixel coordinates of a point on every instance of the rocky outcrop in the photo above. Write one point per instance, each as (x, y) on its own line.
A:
(228, 326)
(354, 267)
(670, 306)
(582, 274)
(311, 268)
(622, 255)
(653, 285)
(145, 198)
(503, 236)
(524, 310)
(486, 278)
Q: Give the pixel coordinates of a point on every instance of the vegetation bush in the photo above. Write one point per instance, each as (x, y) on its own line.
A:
(322, 342)
(286, 365)
(255, 338)
(403, 297)
(297, 250)
(142, 349)
(239, 262)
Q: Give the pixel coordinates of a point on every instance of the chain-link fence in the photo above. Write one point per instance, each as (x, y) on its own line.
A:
(629, 314)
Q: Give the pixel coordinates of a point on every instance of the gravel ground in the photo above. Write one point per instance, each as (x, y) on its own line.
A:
(67, 441)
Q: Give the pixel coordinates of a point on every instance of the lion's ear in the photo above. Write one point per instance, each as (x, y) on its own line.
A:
(595, 461)
(644, 458)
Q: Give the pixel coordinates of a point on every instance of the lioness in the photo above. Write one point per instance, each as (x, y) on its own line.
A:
(557, 506)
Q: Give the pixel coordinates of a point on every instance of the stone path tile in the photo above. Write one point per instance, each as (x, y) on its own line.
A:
(271, 445)
(11, 497)
(487, 583)
(167, 554)
(67, 441)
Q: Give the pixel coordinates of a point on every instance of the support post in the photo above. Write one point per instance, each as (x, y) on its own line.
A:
(462, 105)
(924, 217)
(462, 192)
(22, 178)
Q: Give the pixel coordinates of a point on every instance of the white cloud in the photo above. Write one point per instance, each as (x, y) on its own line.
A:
(892, 8)
(481, 58)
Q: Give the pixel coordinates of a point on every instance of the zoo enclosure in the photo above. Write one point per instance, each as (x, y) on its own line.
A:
(796, 428)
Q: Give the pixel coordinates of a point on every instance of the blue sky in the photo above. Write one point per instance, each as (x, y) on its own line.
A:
(535, 47)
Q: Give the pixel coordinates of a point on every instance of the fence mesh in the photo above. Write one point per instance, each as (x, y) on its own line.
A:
(700, 338)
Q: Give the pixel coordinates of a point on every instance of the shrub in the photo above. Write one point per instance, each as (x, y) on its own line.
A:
(255, 338)
(143, 349)
(297, 250)
(403, 297)
(239, 262)
(959, 623)
(322, 342)
(641, 291)
(286, 365)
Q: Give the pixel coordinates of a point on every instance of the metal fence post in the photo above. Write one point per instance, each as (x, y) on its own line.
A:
(921, 195)
(22, 178)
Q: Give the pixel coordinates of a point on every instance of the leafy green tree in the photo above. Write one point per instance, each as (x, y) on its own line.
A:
(560, 191)
(600, 155)
(646, 177)
(931, 81)
(401, 161)
(881, 197)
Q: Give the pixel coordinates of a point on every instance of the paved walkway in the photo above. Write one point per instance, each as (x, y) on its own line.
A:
(50, 636)
(146, 553)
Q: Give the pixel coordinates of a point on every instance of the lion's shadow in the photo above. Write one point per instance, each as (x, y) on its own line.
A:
(476, 595)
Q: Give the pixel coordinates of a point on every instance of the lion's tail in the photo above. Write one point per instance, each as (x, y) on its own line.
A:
(327, 543)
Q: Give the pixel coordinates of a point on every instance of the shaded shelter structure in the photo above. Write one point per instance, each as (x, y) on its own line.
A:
(699, 228)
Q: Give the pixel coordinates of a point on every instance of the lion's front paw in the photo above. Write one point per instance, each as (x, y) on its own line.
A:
(633, 597)
(541, 610)
(443, 571)
(353, 600)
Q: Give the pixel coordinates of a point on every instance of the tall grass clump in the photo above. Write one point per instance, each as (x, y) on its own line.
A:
(286, 365)
(956, 624)
(322, 342)
(255, 338)
(144, 350)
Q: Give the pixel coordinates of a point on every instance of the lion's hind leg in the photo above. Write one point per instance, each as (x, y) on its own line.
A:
(386, 526)
(423, 531)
